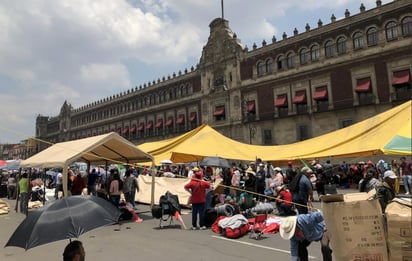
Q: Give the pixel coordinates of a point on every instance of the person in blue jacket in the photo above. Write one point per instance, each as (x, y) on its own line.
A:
(301, 230)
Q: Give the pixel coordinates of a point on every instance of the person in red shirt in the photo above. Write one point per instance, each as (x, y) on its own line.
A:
(197, 188)
(284, 201)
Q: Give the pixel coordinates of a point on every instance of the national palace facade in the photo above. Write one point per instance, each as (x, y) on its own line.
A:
(282, 91)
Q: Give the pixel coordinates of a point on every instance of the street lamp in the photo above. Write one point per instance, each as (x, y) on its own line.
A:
(249, 116)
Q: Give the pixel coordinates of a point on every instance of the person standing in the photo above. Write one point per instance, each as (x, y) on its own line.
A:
(396, 170)
(127, 186)
(197, 188)
(11, 187)
(24, 193)
(260, 182)
(369, 182)
(290, 172)
(116, 186)
(78, 184)
(302, 230)
(406, 174)
(91, 183)
(385, 190)
(304, 193)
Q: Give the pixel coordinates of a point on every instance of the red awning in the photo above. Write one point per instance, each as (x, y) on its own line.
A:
(300, 97)
(159, 123)
(401, 77)
(321, 93)
(125, 130)
(281, 101)
(193, 116)
(149, 125)
(219, 111)
(363, 85)
(141, 127)
(169, 122)
(250, 107)
(180, 120)
(133, 129)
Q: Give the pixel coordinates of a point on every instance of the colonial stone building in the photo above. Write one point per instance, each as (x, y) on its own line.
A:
(286, 90)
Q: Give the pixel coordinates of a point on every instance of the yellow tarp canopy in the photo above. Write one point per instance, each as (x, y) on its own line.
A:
(369, 137)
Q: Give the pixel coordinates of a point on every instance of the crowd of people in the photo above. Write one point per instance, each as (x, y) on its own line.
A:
(291, 188)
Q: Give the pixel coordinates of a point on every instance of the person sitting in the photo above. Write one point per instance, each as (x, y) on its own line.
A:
(74, 251)
(385, 192)
(284, 201)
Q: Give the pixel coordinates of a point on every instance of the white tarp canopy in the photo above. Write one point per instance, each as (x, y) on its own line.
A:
(106, 148)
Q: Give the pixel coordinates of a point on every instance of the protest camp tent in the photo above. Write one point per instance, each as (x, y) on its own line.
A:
(386, 133)
(197, 144)
(102, 149)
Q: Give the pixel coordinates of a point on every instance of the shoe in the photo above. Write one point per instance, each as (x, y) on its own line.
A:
(407, 193)
(193, 228)
(202, 228)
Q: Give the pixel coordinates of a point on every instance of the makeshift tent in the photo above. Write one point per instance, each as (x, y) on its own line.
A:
(386, 133)
(102, 149)
(197, 144)
(369, 137)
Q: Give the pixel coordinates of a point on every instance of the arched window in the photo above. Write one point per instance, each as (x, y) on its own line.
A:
(269, 63)
(372, 36)
(304, 56)
(281, 62)
(341, 45)
(314, 53)
(329, 48)
(289, 59)
(391, 31)
(407, 26)
(358, 40)
(260, 68)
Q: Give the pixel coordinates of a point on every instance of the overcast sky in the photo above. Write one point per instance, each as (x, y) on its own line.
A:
(85, 50)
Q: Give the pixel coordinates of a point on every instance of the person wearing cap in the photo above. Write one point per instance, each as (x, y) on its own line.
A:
(197, 188)
(250, 180)
(304, 194)
(278, 177)
(290, 172)
(302, 230)
(385, 190)
(284, 201)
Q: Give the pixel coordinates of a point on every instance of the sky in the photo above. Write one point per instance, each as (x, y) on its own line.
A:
(81, 51)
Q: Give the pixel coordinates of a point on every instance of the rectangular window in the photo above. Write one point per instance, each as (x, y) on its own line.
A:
(267, 137)
(219, 113)
(303, 132)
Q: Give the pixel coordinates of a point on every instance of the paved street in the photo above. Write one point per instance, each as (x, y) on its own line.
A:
(145, 241)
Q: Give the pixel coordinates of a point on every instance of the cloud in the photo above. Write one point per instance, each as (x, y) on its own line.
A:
(83, 50)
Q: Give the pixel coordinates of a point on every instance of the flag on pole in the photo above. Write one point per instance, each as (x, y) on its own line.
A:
(180, 219)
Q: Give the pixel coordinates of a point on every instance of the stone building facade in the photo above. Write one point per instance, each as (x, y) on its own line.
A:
(291, 89)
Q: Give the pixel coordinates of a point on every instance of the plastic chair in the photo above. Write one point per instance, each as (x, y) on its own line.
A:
(258, 226)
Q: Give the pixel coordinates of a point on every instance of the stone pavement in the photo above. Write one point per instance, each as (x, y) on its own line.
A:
(140, 241)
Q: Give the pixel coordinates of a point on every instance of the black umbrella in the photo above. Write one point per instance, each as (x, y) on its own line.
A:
(65, 218)
(215, 161)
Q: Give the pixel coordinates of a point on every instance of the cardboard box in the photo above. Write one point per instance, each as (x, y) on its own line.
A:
(398, 216)
(356, 227)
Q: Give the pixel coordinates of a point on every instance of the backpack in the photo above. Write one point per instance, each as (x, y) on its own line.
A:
(294, 184)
